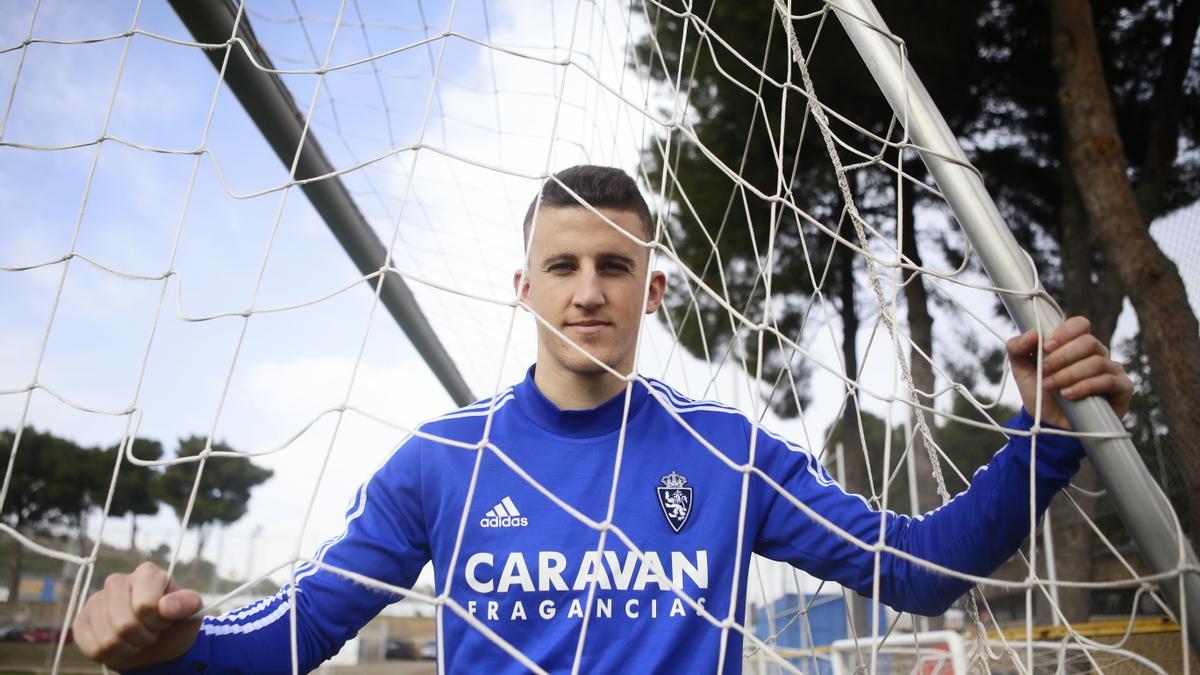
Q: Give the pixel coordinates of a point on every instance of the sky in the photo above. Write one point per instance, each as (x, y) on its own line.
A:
(110, 336)
(270, 387)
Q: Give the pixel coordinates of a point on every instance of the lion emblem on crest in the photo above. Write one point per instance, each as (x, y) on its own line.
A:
(675, 498)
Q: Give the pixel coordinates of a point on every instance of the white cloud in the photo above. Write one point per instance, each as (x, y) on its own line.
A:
(288, 394)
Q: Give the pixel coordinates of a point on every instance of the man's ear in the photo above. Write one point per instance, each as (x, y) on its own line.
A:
(658, 288)
(521, 284)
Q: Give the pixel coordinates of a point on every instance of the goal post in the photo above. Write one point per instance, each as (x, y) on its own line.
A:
(1138, 499)
(269, 103)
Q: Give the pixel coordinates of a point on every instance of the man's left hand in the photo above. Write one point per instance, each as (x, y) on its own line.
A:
(1075, 365)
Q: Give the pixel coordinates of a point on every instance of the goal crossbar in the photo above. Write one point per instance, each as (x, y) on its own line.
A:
(269, 104)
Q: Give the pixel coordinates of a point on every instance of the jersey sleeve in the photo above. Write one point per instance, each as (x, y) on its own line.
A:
(384, 539)
(974, 533)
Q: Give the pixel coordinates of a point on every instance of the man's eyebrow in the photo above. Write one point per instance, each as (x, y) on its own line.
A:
(618, 257)
(606, 256)
(559, 257)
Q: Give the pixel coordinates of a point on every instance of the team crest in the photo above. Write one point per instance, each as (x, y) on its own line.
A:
(675, 498)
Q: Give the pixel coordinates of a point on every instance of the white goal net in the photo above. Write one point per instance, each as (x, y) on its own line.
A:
(164, 276)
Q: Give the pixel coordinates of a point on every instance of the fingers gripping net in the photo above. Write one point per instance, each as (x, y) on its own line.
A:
(172, 281)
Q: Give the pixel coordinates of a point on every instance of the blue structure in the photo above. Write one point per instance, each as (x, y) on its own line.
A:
(822, 624)
(48, 589)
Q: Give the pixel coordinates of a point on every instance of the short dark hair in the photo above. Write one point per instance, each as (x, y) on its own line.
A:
(603, 187)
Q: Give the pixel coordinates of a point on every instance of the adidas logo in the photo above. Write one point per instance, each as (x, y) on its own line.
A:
(504, 514)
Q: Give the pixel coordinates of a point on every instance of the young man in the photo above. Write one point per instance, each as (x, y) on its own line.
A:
(559, 474)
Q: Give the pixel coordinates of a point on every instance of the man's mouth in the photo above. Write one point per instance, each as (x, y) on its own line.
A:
(588, 325)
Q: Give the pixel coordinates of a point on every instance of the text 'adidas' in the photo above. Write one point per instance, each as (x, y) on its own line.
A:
(504, 514)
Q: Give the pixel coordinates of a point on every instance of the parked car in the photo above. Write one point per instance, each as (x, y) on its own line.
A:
(42, 634)
(429, 650)
(10, 632)
(400, 648)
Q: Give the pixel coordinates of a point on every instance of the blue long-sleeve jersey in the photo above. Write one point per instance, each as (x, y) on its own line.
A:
(530, 571)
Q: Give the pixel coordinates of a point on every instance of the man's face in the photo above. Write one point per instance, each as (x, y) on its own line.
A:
(589, 281)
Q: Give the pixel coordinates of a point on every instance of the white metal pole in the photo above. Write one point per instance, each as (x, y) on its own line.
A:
(914, 507)
(1052, 564)
(1139, 501)
(269, 103)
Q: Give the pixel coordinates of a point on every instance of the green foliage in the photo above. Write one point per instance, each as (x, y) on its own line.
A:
(135, 490)
(720, 229)
(1009, 120)
(55, 480)
(1136, 41)
(1152, 439)
(986, 65)
(224, 489)
(874, 432)
(55, 483)
(110, 559)
(48, 483)
(1145, 419)
(969, 446)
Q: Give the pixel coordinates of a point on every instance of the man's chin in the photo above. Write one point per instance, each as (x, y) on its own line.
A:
(583, 366)
(587, 368)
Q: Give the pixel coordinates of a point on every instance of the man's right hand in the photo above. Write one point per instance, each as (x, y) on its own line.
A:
(138, 620)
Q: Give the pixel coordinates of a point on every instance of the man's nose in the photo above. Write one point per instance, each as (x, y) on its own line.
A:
(588, 291)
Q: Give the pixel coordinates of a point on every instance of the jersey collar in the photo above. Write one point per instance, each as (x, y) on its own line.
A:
(603, 419)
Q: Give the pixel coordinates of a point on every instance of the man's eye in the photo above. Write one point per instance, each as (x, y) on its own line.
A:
(616, 267)
(560, 267)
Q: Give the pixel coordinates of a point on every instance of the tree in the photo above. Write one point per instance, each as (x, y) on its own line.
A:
(731, 237)
(1125, 109)
(223, 492)
(986, 67)
(135, 493)
(1145, 51)
(44, 489)
(1169, 332)
(894, 478)
(720, 229)
(1152, 438)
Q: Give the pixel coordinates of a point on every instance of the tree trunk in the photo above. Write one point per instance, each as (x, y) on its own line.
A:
(81, 521)
(855, 464)
(920, 327)
(1074, 542)
(1088, 290)
(1163, 135)
(1170, 332)
(14, 568)
(852, 449)
(1090, 287)
(201, 542)
(134, 554)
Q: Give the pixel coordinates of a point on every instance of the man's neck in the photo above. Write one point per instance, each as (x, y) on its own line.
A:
(572, 391)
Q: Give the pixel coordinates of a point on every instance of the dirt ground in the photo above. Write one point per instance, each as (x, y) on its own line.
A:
(38, 658)
(1165, 650)
(384, 668)
(21, 658)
